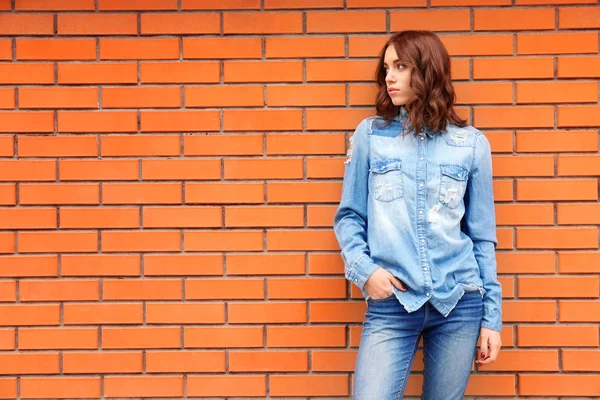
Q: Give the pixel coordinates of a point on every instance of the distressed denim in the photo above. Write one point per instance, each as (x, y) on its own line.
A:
(421, 207)
(389, 341)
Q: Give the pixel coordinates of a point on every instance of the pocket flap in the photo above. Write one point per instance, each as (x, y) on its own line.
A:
(386, 165)
(455, 171)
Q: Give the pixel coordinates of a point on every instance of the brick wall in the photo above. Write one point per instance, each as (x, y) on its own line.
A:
(169, 172)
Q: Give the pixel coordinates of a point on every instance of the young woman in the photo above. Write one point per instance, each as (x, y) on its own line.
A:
(417, 229)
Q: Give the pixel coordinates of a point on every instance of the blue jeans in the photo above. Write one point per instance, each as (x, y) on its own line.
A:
(389, 341)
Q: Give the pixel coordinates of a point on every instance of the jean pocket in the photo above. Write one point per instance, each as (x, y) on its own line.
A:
(387, 180)
(390, 297)
(453, 184)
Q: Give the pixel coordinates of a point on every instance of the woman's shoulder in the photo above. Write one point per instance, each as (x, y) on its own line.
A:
(466, 135)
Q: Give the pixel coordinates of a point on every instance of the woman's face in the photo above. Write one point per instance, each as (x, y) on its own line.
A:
(397, 78)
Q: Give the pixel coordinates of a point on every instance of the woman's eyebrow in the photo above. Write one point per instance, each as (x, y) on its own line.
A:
(393, 61)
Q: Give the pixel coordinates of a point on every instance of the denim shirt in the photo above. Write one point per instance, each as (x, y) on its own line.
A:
(421, 207)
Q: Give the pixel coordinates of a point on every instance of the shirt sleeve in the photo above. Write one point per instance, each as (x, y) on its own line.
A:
(350, 220)
(480, 225)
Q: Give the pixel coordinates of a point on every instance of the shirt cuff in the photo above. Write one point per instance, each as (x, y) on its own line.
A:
(361, 271)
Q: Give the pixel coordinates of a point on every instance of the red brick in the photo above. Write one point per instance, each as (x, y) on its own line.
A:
(56, 49)
(526, 262)
(180, 72)
(262, 120)
(478, 45)
(58, 241)
(224, 96)
(524, 360)
(7, 239)
(521, 117)
(182, 313)
(306, 288)
(56, 5)
(180, 24)
(26, 24)
(59, 194)
(143, 386)
(136, 5)
(180, 121)
(559, 385)
(223, 337)
(7, 146)
(149, 240)
(578, 116)
(58, 98)
(227, 385)
(223, 145)
(101, 121)
(89, 218)
(557, 43)
(558, 287)
(27, 121)
(60, 387)
(55, 146)
(524, 214)
(222, 48)
(325, 263)
(262, 23)
(309, 385)
(222, 5)
(100, 265)
(223, 240)
(102, 362)
(578, 165)
(97, 24)
(139, 49)
(305, 144)
(579, 311)
(578, 67)
(309, 47)
(287, 4)
(29, 363)
(141, 338)
(6, 49)
(563, 189)
(223, 289)
(514, 19)
(528, 311)
(24, 170)
(99, 170)
(265, 264)
(340, 70)
(578, 18)
(305, 239)
(557, 336)
(224, 193)
(557, 141)
(334, 361)
(7, 98)
(29, 315)
(58, 338)
(306, 336)
(178, 361)
(262, 71)
(578, 214)
(105, 314)
(446, 20)
(581, 360)
(182, 217)
(63, 290)
(269, 168)
(183, 264)
(523, 166)
(484, 93)
(302, 192)
(345, 21)
(268, 361)
(94, 73)
(557, 238)
(578, 262)
(141, 193)
(513, 68)
(335, 119)
(331, 312)
(261, 312)
(141, 97)
(269, 216)
(142, 145)
(557, 92)
(310, 95)
(29, 266)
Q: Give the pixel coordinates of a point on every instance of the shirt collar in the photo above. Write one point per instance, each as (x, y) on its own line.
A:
(402, 117)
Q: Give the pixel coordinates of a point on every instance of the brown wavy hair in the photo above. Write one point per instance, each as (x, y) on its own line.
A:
(433, 103)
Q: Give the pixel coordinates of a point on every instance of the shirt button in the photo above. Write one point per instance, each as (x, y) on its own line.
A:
(421, 185)
(422, 138)
(422, 241)
(427, 294)
(421, 158)
(424, 268)
(420, 211)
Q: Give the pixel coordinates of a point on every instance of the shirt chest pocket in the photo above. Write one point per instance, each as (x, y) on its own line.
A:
(388, 183)
(453, 184)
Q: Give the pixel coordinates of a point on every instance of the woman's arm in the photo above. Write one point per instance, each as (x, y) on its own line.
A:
(350, 220)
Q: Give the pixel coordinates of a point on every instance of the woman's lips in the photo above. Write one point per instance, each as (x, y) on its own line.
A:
(392, 91)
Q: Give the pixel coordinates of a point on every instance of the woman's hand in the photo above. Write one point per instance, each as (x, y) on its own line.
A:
(379, 284)
(490, 346)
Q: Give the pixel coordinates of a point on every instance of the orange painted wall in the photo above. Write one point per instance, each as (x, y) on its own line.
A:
(169, 171)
